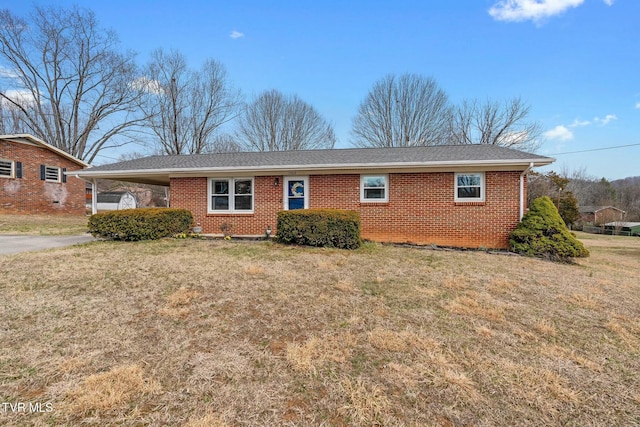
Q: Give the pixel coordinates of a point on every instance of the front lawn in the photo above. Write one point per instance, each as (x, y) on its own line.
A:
(44, 225)
(217, 333)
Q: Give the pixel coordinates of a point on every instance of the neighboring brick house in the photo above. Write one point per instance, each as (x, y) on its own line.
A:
(598, 215)
(36, 178)
(463, 195)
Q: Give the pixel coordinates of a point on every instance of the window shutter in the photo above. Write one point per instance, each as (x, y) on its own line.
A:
(42, 172)
(64, 174)
(18, 169)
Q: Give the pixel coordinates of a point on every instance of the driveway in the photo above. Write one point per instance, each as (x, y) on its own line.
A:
(11, 244)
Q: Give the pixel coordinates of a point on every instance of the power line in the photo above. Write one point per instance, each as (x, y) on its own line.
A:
(595, 149)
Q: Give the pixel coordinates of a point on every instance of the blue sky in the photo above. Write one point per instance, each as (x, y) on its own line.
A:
(576, 62)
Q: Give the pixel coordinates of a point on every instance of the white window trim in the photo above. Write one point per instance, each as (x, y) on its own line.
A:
(232, 195)
(285, 190)
(12, 174)
(59, 179)
(483, 188)
(386, 188)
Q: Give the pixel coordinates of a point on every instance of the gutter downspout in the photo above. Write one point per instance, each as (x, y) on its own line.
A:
(522, 202)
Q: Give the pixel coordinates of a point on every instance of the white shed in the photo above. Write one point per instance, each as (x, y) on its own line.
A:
(116, 200)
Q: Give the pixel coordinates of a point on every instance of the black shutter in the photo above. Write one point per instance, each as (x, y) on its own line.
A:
(64, 174)
(42, 172)
(18, 169)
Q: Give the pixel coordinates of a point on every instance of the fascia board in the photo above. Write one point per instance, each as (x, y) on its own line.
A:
(319, 168)
(36, 141)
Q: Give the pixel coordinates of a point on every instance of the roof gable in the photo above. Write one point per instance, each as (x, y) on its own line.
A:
(30, 139)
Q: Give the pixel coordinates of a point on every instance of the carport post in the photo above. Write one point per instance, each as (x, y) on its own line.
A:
(94, 197)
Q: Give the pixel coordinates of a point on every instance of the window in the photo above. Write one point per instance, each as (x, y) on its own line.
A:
(374, 188)
(6, 169)
(469, 187)
(231, 195)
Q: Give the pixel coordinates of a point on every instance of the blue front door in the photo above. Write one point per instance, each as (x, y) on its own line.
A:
(296, 193)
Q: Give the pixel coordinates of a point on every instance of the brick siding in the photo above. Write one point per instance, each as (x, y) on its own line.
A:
(30, 195)
(421, 208)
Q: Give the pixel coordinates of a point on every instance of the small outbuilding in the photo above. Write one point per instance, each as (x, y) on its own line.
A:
(116, 200)
(597, 215)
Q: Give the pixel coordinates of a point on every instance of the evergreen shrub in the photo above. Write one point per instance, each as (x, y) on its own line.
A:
(140, 224)
(320, 227)
(543, 233)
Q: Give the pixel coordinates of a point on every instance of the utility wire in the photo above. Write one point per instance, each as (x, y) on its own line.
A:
(594, 149)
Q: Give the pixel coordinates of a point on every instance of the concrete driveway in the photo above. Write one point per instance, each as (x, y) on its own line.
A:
(11, 244)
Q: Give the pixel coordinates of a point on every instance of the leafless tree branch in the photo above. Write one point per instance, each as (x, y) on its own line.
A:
(410, 110)
(274, 122)
(184, 107)
(497, 123)
(76, 87)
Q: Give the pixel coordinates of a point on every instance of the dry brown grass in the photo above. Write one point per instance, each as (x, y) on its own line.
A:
(47, 225)
(195, 333)
(108, 390)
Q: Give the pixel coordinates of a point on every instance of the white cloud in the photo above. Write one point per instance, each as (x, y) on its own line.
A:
(148, 85)
(638, 105)
(609, 2)
(21, 97)
(606, 120)
(8, 72)
(579, 123)
(560, 133)
(236, 34)
(535, 10)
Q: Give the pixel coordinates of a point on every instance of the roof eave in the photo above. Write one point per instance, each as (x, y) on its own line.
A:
(318, 168)
(43, 144)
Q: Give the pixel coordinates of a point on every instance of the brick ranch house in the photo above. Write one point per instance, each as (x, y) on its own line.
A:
(464, 195)
(35, 178)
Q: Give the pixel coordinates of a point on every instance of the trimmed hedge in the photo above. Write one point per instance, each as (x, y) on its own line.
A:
(320, 227)
(543, 233)
(140, 224)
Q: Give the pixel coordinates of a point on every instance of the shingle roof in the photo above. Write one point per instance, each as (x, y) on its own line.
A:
(594, 209)
(309, 160)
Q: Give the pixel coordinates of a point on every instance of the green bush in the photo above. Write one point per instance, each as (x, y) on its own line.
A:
(140, 224)
(320, 227)
(543, 233)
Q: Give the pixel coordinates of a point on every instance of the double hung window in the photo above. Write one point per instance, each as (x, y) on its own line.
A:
(231, 195)
(469, 187)
(374, 188)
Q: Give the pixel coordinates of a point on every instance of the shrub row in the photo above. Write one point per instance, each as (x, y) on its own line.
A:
(140, 224)
(320, 227)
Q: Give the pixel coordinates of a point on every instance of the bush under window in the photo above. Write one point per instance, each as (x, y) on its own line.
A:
(140, 224)
(320, 227)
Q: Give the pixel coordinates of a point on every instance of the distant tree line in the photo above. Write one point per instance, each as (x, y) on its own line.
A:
(570, 190)
(67, 80)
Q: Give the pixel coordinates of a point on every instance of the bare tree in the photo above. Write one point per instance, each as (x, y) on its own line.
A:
(10, 122)
(68, 80)
(494, 122)
(186, 107)
(225, 143)
(410, 110)
(274, 122)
